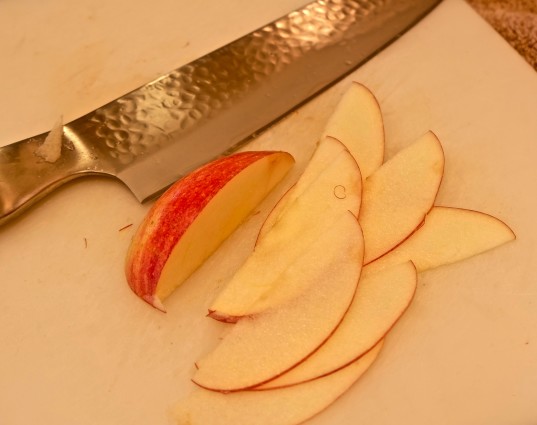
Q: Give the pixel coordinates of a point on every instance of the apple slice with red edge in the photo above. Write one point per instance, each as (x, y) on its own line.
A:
(399, 194)
(357, 123)
(194, 216)
(446, 236)
(380, 300)
(261, 347)
(331, 162)
(335, 190)
(284, 406)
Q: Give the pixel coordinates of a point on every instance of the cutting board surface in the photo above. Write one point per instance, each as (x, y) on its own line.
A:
(77, 345)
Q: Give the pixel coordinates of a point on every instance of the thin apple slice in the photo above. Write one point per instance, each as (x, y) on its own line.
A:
(357, 123)
(380, 300)
(331, 163)
(285, 406)
(264, 346)
(399, 194)
(446, 236)
(194, 216)
(335, 191)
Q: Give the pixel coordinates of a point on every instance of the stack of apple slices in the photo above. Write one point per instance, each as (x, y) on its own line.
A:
(334, 267)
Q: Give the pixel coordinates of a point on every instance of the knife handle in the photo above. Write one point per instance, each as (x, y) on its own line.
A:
(25, 177)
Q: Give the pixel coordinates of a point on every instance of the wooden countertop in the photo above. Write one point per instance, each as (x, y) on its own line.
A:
(515, 20)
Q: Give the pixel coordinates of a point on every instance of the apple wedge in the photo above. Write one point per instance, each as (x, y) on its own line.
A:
(357, 123)
(380, 300)
(399, 194)
(194, 216)
(262, 347)
(285, 406)
(446, 236)
(336, 190)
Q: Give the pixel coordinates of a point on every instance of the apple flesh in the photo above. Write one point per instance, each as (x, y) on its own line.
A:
(399, 194)
(284, 406)
(333, 192)
(446, 236)
(381, 299)
(194, 216)
(331, 164)
(357, 123)
(261, 347)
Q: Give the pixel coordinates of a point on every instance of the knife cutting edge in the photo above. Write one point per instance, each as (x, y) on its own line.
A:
(210, 107)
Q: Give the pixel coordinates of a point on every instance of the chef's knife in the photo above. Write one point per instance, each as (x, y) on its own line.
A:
(152, 136)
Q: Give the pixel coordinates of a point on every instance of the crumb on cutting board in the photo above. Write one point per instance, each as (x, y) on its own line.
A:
(125, 227)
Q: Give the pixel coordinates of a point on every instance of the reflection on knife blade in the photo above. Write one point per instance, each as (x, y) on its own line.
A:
(207, 108)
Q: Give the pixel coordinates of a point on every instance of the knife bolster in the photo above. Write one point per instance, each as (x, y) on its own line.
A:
(26, 176)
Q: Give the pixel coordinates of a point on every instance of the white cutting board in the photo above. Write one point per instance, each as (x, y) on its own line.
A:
(77, 347)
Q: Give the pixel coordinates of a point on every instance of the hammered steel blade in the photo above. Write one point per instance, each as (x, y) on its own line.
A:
(152, 136)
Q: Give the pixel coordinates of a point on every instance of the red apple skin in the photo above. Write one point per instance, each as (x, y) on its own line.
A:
(171, 216)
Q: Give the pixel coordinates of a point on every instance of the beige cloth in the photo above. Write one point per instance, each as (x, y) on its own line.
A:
(515, 20)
